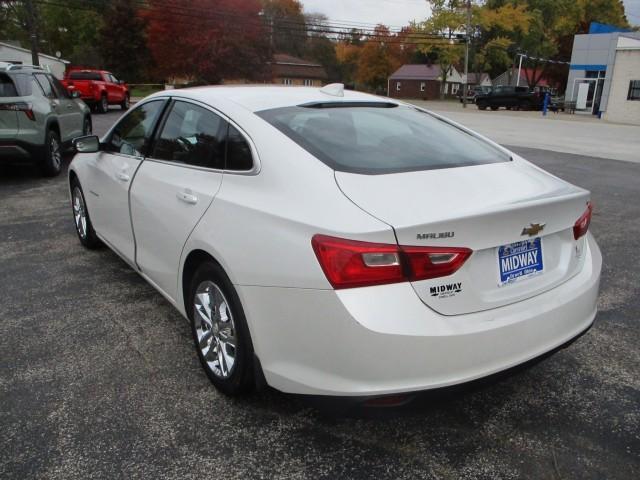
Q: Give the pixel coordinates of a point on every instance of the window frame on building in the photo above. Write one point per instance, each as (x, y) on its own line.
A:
(287, 81)
(398, 86)
(423, 86)
(634, 90)
(308, 82)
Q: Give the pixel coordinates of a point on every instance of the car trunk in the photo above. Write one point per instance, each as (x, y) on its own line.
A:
(483, 208)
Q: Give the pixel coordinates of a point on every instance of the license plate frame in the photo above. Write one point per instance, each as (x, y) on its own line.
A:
(519, 261)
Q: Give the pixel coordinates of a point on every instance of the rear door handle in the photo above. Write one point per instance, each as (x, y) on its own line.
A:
(123, 176)
(187, 197)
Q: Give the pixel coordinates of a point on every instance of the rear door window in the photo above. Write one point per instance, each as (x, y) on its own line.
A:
(41, 78)
(192, 135)
(85, 76)
(58, 88)
(381, 139)
(239, 157)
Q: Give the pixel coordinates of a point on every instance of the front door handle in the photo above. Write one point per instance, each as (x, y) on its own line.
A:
(123, 176)
(187, 197)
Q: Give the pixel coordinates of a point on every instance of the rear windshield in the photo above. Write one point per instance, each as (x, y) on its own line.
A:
(85, 76)
(376, 140)
(7, 87)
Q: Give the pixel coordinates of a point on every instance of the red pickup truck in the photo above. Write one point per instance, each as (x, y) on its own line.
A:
(98, 88)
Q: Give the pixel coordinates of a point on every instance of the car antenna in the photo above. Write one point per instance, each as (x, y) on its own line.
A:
(333, 89)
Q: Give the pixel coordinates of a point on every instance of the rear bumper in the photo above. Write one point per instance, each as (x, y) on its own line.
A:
(19, 151)
(382, 340)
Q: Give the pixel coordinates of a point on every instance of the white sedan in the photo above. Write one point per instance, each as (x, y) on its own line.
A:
(335, 243)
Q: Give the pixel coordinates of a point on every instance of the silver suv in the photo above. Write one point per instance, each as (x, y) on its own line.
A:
(38, 117)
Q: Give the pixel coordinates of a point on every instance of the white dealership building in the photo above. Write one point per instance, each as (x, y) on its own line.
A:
(604, 75)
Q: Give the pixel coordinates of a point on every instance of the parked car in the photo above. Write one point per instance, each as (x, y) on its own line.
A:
(473, 93)
(38, 117)
(510, 97)
(335, 243)
(98, 88)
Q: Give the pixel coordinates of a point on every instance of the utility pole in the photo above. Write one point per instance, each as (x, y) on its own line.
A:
(32, 26)
(465, 85)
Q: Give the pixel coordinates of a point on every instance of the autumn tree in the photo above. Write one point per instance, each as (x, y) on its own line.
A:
(206, 40)
(446, 20)
(287, 27)
(122, 41)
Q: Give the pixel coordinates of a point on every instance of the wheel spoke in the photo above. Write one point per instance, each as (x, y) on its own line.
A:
(204, 340)
(203, 307)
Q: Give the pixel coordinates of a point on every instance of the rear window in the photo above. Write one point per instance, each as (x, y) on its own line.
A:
(376, 140)
(7, 87)
(85, 76)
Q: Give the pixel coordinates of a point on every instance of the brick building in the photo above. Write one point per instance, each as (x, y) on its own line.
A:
(423, 82)
(289, 70)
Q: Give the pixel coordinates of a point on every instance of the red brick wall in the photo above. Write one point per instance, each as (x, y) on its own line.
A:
(411, 89)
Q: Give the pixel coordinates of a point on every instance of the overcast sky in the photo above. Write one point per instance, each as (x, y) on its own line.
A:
(400, 12)
(389, 12)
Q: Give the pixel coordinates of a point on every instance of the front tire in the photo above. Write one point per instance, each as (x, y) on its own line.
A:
(51, 163)
(81, 219)
(220, 331)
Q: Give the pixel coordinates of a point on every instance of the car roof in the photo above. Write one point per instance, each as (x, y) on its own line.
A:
(265, 97)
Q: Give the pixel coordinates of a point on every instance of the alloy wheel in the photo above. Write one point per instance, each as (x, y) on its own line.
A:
(56, 154)
(215, 329)
(79, 213)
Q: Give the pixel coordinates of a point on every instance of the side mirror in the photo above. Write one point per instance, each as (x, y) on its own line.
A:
(121, 82)
(74, 93)
(87, 144)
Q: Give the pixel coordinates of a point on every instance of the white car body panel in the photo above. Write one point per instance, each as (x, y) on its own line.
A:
(108, 181)
(310, 338)
(167, 201)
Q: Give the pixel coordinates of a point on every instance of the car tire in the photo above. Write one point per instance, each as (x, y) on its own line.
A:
(494, 107)
(482, 106)
(81, 219)
(125, 103)
(87, 128)
(51, 162)
(524, 106)
(219, 328)
(103, 105)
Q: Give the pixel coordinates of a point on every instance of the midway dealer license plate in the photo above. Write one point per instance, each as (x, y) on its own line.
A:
(520, 260)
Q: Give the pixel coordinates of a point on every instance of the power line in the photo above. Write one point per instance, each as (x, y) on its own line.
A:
(289, 27)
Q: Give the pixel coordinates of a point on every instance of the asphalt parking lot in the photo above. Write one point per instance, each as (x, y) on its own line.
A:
(99, 378)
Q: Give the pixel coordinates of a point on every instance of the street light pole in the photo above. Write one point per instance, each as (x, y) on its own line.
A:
(465, 86)
(33, 31)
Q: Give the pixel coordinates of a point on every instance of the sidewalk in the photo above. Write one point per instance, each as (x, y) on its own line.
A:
(579, 134)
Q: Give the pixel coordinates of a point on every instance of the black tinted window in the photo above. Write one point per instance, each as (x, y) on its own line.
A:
(374, 140)
(192, 135)
(85, 76)
(132, 135)
(45, 85)
(238, 151)
(7, 88)
(58, 88)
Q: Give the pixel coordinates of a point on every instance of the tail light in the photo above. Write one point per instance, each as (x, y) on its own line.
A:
(25, 107)
(350, 263)
(581, 226)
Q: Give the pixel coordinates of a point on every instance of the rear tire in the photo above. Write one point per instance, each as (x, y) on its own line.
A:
(482, 106)
(51, 162)
(103, 105)
(219, 328)
(494, 108)
(84, 227)
(125, 103)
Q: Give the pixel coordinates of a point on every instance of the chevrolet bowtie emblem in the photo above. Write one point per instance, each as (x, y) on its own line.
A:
(533, 229)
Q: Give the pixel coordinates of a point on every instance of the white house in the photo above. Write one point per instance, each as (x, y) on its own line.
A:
(13, 54)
